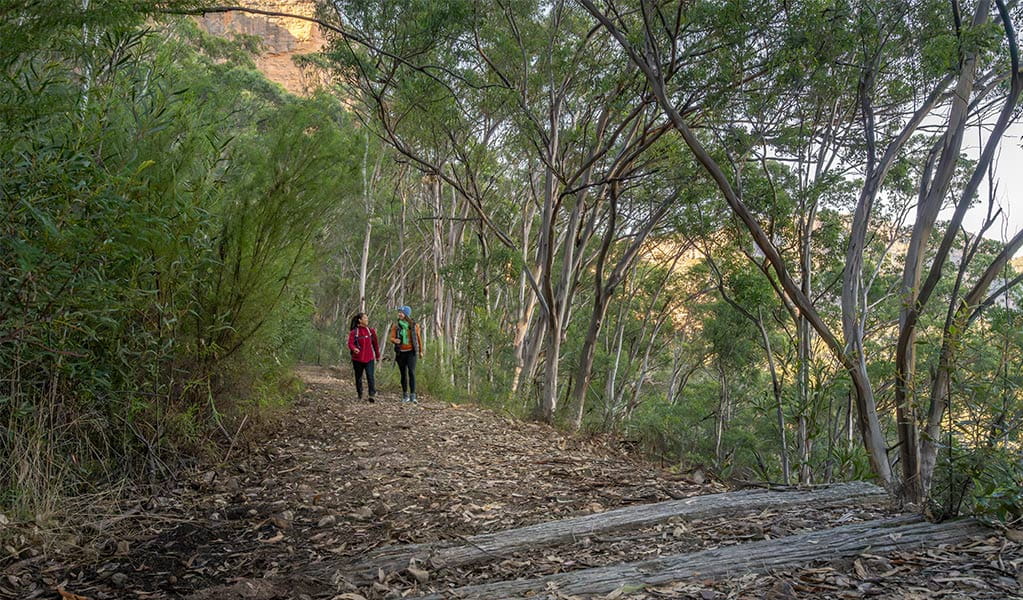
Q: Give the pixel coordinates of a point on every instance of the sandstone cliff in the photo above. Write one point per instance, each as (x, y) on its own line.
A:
(283, 38)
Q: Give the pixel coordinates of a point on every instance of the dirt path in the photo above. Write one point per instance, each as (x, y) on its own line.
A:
(341, 478)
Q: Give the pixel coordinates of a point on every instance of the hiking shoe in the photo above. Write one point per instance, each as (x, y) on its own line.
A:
(412, 399)
(404, 398)
(371, 399)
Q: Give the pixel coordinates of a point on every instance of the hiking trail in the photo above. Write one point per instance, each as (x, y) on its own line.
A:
(350, 500)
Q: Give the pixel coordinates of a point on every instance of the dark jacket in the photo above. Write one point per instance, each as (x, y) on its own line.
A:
(415, 340)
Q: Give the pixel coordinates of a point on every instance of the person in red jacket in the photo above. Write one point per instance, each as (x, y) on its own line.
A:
(362, 343)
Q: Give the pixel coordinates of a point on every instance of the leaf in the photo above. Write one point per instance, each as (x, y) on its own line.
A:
(421, 575)
(1015, 535)
(861, 571)
(123, 548)
(69, 596)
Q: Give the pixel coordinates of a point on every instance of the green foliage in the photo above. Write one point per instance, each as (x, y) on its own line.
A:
(161, 210)
(987, 482)
(1001, 500)
(851, 463)
(674, 432)
(980, 469)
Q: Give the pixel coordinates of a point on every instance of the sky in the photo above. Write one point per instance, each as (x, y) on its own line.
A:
(1009, 193)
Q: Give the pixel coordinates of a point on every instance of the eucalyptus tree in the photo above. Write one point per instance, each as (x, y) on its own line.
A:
(970, 83)
(468, 92)
(751, 298)
(576, 112)
(654, 200)
(646, 324)
(895, 44)
(796, 123)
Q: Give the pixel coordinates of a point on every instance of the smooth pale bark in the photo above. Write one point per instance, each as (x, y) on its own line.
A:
(776, 385)
(676, 375)
(644, 366)
(973, 303)
(610, 387)
(367, 236)
(549, 393)
(438, 252)
(572, 205)
(652, 325)
(804, 353)
(720, 418)
(853, 292)
(568, 206)
(852, 311)
(527, 301)
(968, 310)
(849, 437)
(545, 250)
(827, 124)
(605, 289)
(522, 350)
(533, 346)
(602, 297)
(367, 198)
(927, 214)
(576, 231)
(648, 331)
(396, 289)
(918, 480)
(776, 390)
(584, 371)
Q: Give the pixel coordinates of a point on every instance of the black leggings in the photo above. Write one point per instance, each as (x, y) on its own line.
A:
(407, 368)
(360, 368)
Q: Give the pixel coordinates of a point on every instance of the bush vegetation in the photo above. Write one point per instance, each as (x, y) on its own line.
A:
(162, 204)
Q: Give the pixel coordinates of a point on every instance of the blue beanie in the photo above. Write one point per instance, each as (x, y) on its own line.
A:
(405, 309)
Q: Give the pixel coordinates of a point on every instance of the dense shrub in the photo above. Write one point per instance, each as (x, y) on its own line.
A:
(161, 206)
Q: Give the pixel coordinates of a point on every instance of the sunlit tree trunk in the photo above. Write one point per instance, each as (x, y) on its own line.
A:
(776, 390)
(368, 184)
(721, 418)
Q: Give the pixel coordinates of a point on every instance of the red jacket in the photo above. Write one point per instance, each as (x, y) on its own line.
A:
(362, 343)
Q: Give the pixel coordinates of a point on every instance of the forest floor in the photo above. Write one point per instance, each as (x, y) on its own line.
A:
(339, 478)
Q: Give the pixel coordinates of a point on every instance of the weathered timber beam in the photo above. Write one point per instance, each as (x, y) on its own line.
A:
(900, 533)
(484, 547)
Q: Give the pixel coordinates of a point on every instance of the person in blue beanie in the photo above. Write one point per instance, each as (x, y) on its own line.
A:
(408, 347)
